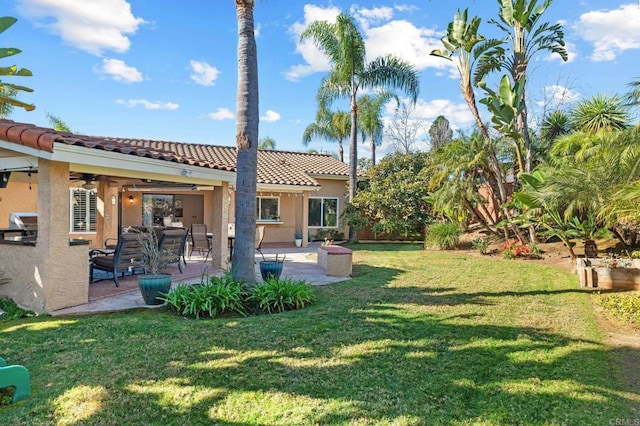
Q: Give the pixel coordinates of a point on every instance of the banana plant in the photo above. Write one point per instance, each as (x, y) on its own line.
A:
(6, 89)
(505, 106)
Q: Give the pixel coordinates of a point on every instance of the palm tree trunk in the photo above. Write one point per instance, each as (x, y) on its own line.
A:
(340, 151)
(373, 152)
(247, 120)
(353, 157)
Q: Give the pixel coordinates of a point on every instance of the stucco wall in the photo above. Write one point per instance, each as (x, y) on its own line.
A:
(17, 197)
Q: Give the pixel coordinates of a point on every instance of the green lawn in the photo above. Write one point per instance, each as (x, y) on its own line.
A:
(416, 338)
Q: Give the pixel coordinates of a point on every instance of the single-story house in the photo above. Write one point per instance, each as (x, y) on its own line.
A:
(81, 190)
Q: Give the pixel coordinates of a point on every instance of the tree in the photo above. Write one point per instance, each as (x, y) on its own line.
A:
(600, 112)
(393, 197)
(343, 44)
(555, 124)
(329, 125)
(519, 20)
(403, 129)
(267, 143)
(57, 123)
(440, 132)
(632, 97)
(370, 117)
(8, 91)
(247, 121)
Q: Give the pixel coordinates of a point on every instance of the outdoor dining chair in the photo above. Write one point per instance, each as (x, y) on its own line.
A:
(199, 240)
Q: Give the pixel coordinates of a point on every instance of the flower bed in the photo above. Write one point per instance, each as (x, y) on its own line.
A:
(601, 273)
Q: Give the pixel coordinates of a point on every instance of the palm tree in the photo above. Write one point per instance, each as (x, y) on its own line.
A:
(600, 112)
(8, 91)
(370, 119)
(632, 98)
(555, 124)
(520, 22)
(247, 121)
(343, 44)
(465, 43)
(267, 143)
(58, 124)
(332, 126)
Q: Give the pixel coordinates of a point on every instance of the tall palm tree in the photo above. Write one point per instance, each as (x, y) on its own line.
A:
(632, 97)
(343, 44)
(57, 123)
(329, 125)
(370, 118)
(247, 121)
(519, 20)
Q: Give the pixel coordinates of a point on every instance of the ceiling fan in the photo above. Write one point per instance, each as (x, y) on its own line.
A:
(87, 179)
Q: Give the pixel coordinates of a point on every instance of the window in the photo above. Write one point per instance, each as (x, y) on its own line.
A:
(268, 209)
(83, 217)
(157, 207)
(323, 212)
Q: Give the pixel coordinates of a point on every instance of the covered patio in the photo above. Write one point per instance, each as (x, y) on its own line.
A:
(300, 264)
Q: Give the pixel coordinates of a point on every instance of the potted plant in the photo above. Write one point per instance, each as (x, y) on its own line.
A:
(271, 268)
(297, 236)
(153, 283)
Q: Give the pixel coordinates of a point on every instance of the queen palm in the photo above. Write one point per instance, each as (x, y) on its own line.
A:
(329, 125)
(343, 44)
(370, 118)
(247, 120)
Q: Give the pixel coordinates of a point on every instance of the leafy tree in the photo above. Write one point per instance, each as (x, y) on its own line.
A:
(403, 129)
(343, 44)
(440, 132)
(370, 117)
(8, 91)
(632, 97)
(267, 143)
(58, 124)
(329, 125)
(393, 196)
(247, 113)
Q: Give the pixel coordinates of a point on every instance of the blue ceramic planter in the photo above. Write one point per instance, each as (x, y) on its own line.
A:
(154, 286)
(271, 268)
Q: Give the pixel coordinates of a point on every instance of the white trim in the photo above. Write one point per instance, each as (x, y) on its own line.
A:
(269, 197)
(322, 214)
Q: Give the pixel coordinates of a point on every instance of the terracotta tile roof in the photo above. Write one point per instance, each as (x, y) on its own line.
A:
(274, 167)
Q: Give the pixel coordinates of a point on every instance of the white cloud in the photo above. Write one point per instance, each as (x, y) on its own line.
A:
(119, 71)
(203, 73)
(132, 103)
(256, 30)
(315, 61)
(270, 117)
(221, 114)
(407, 42)
(557, 95)
(367, 17)
(93, 26)
(611, 31)
(458, 114)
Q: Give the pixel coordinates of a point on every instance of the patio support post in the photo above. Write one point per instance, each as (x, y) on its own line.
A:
(64, 269)
(305, 219)
(220, 229)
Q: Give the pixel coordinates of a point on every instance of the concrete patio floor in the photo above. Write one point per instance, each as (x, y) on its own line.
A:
(300, 264)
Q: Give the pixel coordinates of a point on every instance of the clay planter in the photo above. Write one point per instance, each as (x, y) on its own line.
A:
(154, 286)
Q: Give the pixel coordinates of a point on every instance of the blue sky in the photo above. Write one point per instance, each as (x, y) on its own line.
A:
(166, 69)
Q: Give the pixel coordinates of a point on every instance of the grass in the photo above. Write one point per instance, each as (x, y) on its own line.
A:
(415, 338)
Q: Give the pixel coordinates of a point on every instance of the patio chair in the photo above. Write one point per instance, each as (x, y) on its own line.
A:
(127, 257)
(174, 240)
(259, 237)
(199, 240)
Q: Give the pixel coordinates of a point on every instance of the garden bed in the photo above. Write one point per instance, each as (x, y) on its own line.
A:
(593, 274)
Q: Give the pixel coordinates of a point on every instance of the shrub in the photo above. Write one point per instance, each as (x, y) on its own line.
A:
(443, 235)
(336, 235)
(12, 310)
(624, 307)
(481, 244)
(513, 248)
(279, 295)
(208, 299)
